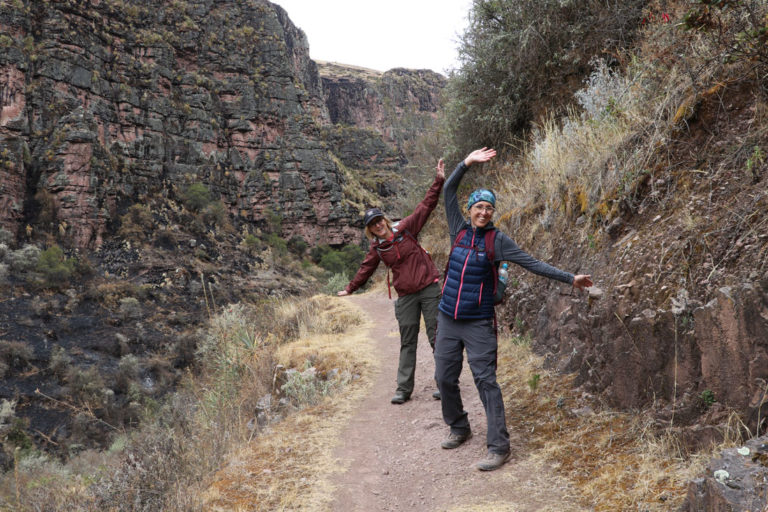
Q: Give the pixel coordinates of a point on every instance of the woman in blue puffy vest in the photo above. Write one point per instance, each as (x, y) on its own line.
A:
(466, 319)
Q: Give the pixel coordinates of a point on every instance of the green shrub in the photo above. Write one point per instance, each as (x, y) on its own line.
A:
(297, 245)
(252, 243)
(333, 263)
(343, 261)
(55, 268)
(274, 221)
(518, 56)
(196, 197)
(316, 253)
(216, 214)
(278, 244)
(352, 256)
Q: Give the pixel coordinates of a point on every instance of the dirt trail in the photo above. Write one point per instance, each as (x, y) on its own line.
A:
(392, 453)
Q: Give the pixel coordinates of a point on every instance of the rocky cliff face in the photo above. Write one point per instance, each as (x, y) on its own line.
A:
(399, 104)
(111, 112)
(106, 103)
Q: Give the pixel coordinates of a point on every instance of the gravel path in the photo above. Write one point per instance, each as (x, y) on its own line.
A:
(392, 453)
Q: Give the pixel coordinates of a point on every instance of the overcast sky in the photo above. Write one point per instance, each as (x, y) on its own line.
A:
(381, 35)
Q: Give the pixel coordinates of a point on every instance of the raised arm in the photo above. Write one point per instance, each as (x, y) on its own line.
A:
(415, 221)
(452, 210)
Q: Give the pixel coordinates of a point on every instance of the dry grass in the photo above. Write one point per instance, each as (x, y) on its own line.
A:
(588, 161)
(616, 461)
(288, 467)
(167, 462)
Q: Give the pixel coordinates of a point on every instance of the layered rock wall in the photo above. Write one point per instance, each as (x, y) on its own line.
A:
(105, 103)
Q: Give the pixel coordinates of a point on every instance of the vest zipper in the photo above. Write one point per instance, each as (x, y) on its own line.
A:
(461, 281)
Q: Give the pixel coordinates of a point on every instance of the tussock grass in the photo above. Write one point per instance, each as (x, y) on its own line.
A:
(287, 468)
(167, 463)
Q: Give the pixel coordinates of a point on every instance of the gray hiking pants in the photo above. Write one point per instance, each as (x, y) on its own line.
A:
(408, 310)
(479, 339)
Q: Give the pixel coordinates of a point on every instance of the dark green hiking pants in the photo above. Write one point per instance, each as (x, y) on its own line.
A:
(408, 310)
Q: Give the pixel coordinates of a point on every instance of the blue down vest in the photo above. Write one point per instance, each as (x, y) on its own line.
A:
(469, 280)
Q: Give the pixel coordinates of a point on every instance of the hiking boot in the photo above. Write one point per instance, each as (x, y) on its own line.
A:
(493, 461)
(455, 440)
(436, 395)
(400, 398)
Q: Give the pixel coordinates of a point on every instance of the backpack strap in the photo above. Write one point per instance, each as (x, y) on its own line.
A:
(397, 235)
(490, 252)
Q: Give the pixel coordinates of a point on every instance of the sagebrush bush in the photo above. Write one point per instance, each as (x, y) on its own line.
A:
(59, 362)
(16, 354)
(86, 387)
(6, 237)
(130, 308)
(606, 92)
(3, 251)
(336, 283)
(128, 371)
(24, 259)
(4, 273)
(305, 387)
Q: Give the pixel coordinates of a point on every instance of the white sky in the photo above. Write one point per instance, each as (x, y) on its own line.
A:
(382, 34)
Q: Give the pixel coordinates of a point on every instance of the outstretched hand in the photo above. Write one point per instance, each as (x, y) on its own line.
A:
(441, 169)
(479, 156)
(582, 281)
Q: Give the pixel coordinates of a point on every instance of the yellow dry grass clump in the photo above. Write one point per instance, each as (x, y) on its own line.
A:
(287, 467)
(616, 461)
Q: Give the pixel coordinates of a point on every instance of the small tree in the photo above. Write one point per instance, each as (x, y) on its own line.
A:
(55, 268)
(196, 197)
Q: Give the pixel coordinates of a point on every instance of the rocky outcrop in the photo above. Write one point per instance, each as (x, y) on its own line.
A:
(399, 104)
(737, 480)
(682, 359)
(105, 104)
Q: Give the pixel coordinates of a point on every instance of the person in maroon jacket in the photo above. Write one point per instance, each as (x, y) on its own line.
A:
(414, 277)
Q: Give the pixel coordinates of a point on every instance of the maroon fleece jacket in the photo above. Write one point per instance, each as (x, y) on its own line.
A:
(412, 267)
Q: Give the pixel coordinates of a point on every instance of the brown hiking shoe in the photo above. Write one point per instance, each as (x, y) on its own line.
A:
(493, 461)
(455, 440)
